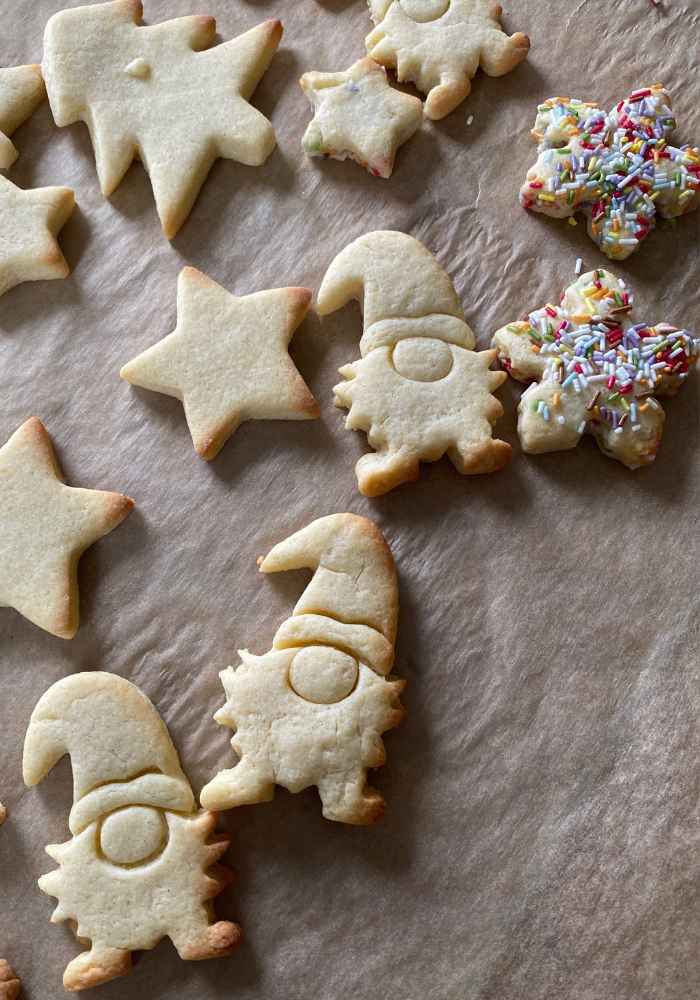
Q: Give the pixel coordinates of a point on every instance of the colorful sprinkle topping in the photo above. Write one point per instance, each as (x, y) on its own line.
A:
(595, 350)
(618, 168)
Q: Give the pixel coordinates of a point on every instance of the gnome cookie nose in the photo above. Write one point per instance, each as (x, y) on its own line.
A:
(423, 360)
(323, 674)
(425, 10)
(133, 834)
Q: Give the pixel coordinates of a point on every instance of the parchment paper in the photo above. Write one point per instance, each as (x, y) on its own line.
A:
(541, 839)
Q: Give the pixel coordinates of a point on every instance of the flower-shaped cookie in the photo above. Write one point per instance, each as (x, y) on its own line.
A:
(594, 372)
(359, 115)
(440, 44)
(618, 168)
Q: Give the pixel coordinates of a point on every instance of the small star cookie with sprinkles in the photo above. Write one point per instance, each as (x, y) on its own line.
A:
(620, 169)
(227, 359)
(593, 372)
(440, 44)
(359, 115)
(29, 223)
(21, 92)
(45, 528)
(162, 92)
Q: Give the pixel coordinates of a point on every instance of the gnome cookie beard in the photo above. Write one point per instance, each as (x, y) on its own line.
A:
(311, 711)
(420, 390)
(141, 864)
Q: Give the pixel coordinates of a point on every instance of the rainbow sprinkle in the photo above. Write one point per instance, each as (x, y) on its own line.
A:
(618, 168)
(595, 371)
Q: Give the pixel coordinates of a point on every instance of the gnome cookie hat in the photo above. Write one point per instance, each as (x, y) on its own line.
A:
(352, 600)
(406, 292)
(121, 751)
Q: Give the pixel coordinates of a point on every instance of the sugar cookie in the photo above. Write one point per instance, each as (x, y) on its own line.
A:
(357, 114)
(440, 44)
(227, 359)
(311, 711)
(593, 372)
(29, 223)
(160, 93)
(619, 169)
(420, 390)
(9, 984)
(21, 92)
(45, 528)
(140, 865)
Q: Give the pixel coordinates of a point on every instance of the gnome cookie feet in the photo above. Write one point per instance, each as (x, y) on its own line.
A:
(379, 472)
(311, 711)
(95, 967)
(346, 801)
(243, 785)
(142, 863)
(419, 390)
(216, 941)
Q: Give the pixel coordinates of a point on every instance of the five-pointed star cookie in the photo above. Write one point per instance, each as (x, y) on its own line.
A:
(358, 115)
(21, 91)
(29, 223)
(151, 92)
(227, 359)
(44, 529)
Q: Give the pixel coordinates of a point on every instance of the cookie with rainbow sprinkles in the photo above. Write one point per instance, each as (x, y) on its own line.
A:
(620, 169)
(594, 372)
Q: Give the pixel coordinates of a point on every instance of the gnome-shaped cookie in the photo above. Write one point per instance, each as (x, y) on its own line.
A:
(420, 389)
(311, 711)
(141, 863)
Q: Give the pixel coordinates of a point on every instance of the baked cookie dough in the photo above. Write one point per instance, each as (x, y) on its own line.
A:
(619, 169)
(420, 390)
(312, 710)
(594, 372)
(141, 862)
(21, 92)
(440, 44)
(163, 93)
(357, 114)
(29, 224)
(44, 529)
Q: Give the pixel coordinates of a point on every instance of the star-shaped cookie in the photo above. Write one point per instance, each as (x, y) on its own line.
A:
(227, 359)
(162, 92)
(21, 91)
(44, 529)
(29, 223)
(359, 115)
